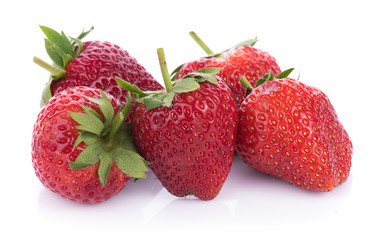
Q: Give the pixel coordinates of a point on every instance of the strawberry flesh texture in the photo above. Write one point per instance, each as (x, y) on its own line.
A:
(190, 145)
(291, 131)
(245, 61)
(54, 135)
(99, 64)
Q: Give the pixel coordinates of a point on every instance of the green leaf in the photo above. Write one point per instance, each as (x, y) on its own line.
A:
(78, 140)
(89, 156)
(46, 93)
(66, 58)
(285, 73)
(105, 105)
(53, 54)
(115, 125)
(212, 71)
(75, 165)
(104, 167)
(61, 41)
(79, 46)
(84, 34)
(205, 74)
(129, 87)
(88, 122)
(211, 79)
(260, 81)
(185, 85)
(86, 137)
(67, 44)
(153, 99)
(127, 106)
(249, 42)
(127, 139)
(152, 103)
(89, 138)
(175, 72)
(90, 111)
(270, 76)
(267, 77)
(169, 99)
(131, 163)
(76, 42)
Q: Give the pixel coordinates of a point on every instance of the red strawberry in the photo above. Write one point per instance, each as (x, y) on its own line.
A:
(80, 146)
(241, 60)
(94, 64)
(291, 131)
(187, 132)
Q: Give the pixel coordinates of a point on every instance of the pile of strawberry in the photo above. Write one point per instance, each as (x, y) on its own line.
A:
(105, 119)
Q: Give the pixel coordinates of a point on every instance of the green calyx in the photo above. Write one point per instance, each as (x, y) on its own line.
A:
(189, 83)
(267, 77)
(107, 140)
(61, 50)
(211, 54)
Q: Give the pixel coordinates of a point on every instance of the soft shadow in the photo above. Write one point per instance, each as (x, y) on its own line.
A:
(265, 200)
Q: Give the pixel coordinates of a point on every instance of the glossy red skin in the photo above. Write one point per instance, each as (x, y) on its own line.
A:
(291, 131)
(190, 145)
(245, 61)
(54, 135)
(99, 64)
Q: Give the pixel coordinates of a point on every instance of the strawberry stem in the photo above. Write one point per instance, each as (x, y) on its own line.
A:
(52, 69)
(164, 70)
(201, 43)
(246, 83)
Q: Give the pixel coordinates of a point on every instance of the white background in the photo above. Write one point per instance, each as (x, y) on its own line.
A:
(334, 45)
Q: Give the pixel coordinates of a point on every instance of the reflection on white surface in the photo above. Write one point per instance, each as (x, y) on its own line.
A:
(247, 198)
(232, 205)
(160, 201)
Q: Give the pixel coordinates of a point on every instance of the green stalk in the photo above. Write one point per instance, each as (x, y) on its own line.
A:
(56, 72)
(246, 83)
(201, 43)
(50, 68)
(164, 70)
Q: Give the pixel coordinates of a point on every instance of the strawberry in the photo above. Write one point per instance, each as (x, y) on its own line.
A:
(81, 148)
(241, 60)
(290, 130)
(187, 132)
(94, 64)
